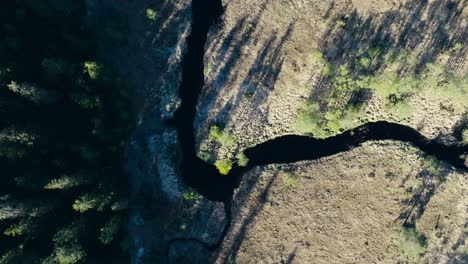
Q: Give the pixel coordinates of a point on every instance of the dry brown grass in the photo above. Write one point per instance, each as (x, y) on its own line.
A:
(348, 208)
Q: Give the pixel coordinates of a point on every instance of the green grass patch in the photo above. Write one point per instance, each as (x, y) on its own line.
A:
(403, 109)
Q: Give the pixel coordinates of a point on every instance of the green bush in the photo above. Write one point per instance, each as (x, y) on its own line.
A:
(190, 194)
(88, 201)
(18, 229)
(151, 14)
(204, 155)
(432, 165)
(289, 179)
(386, 84)
(409, 245)
(85, 203)
(92, 69)
(327, 70)
(365, 62)
(309, 120)
(222, 137)
(223, 166)
(242, 160)
(70, 254)
(465, 136)
(109, 230)
(66, 182)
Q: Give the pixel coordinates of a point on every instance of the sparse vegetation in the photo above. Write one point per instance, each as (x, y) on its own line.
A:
(409, 245)
(334, 112)
(432, 165)
(289, 179)
(312, 121)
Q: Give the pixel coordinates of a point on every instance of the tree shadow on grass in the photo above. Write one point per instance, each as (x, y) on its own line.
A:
(416, 33)
(260, 76)
(416, 204)
(241, 199)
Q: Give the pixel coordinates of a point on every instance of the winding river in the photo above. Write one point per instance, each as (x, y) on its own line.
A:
(286, 149)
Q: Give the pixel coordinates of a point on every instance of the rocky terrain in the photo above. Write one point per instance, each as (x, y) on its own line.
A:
(163, 209)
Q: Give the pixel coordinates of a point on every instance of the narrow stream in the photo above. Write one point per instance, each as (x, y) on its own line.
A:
(205, 177)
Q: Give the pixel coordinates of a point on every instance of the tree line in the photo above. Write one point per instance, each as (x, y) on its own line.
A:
(63, 123)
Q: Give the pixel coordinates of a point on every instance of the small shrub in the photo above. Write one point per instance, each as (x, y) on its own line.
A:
(386, 84)
(69, 254)
(327, 69)
(223, 166)
(85, 203)
(18, 229)
(190, 194)
(465, 136)
(248, 95)
(341, 24)
(151, 14)
(222, 137)
(365, 62)
(30, 92)
(109, 230)
(403, 110)
(290, 179)
(309, 120)
(92, 69)
(66, 182)
(67, 234)
(204, 155)
(242, 160)
(317, 56)
(457, 47)
(432, 165)
(92, 201)
(409, 245)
